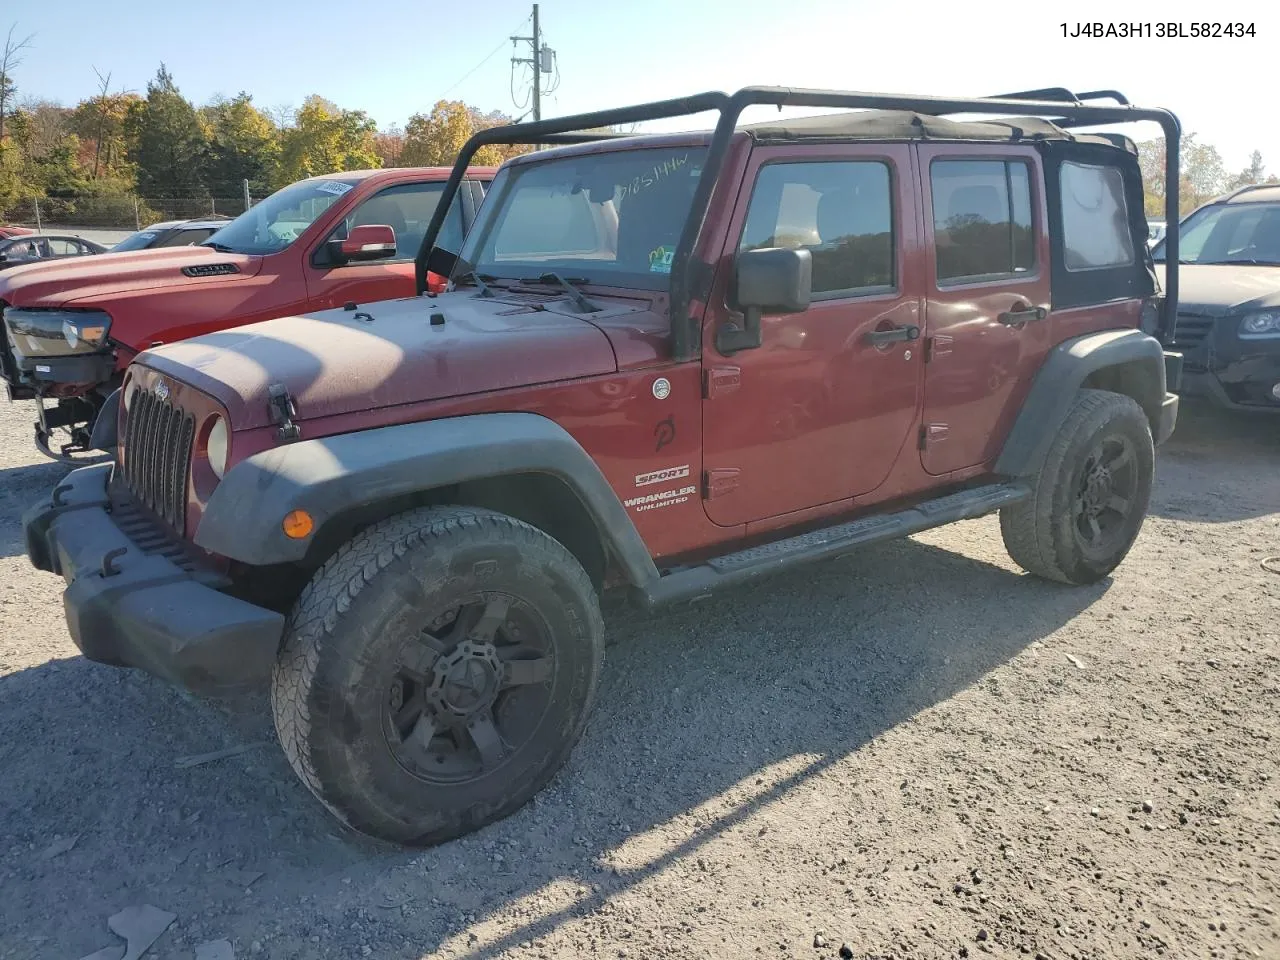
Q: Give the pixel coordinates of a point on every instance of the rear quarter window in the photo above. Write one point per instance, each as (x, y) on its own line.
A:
(1096, 229)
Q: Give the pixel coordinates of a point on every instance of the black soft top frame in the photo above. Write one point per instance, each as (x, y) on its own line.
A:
(1064, 108)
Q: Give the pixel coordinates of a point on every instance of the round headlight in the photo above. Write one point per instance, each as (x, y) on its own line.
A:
(216, 447)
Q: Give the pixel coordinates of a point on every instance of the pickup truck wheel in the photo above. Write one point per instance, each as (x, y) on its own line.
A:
(436, 672)
(1089, 501)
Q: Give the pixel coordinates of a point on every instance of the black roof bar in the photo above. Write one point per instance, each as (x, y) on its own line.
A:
(1065, 95)
(689, 281)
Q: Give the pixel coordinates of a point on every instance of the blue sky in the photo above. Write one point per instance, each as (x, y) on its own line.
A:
(394, 57)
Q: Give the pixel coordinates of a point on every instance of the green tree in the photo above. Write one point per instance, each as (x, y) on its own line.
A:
(169, 141)
(325, 138)
(243, 145)
(1202, 174)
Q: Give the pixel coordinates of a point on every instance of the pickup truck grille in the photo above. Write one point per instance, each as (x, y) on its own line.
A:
(157, 456)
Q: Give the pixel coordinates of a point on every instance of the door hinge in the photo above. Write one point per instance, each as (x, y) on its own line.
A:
(716, 483)
(721, 380)
(932, 432)
(938, 345)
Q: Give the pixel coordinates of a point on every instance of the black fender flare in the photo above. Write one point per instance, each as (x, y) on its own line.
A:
(1063, 373)
(103, 436)
(328, 475)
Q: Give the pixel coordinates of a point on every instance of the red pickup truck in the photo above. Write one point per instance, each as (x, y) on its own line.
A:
(72, 327)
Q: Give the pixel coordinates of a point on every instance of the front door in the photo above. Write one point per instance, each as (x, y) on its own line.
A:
(407, 208)
(986, 318)
(819, 412)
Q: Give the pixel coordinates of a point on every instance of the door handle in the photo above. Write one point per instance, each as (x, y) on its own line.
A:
(878, 338)
(1021, 314)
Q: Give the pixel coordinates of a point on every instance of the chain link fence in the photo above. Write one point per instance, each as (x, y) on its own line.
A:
(117, 212)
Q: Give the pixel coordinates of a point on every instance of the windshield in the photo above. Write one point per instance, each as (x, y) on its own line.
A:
(137, 241)
(1229, 233)
(277, 221)
(612, 219)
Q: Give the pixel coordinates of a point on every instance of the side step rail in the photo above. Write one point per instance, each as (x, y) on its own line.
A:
(734, 569)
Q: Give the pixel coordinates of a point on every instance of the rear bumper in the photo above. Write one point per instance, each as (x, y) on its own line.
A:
(129, 607)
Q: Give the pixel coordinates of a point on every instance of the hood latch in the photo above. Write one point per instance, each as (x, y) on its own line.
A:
(283, 410)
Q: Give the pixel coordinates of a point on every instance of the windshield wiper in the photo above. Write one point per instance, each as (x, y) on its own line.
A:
(1245, 260)
(585, 305)
(482, 281)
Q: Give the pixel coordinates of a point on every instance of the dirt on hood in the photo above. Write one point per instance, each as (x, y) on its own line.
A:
(387, 354)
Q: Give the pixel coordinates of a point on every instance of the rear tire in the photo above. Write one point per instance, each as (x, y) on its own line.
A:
(1088, 503)
(436, 673)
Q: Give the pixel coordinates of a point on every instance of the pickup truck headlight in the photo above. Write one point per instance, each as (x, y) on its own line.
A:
(56, 333)
(91, 329)
(1260, 325)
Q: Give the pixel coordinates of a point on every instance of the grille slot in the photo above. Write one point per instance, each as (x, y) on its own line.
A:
(157, 456)
(1191, 329)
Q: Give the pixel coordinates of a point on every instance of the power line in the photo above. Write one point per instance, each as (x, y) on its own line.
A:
(493, 53)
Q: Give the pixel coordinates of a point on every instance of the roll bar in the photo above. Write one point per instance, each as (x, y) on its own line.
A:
(688, 281)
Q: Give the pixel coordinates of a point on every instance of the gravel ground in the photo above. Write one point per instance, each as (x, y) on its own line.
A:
(917, 752)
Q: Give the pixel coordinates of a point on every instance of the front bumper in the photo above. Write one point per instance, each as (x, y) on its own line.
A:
(1244, 385)
(1233, 373)
(149, 609)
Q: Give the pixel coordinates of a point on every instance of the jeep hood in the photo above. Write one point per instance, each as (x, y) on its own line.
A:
(94, 280)
(1215, 290)
(389, 353)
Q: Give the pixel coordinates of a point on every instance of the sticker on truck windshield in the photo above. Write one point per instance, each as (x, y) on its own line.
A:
(660, 259)
(336, 187)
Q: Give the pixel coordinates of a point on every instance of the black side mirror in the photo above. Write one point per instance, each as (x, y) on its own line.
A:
(771, 280)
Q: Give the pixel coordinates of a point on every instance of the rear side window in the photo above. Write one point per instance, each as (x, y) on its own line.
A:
(841, 212)
(185, 238)
(981, 219)
(1096, 231)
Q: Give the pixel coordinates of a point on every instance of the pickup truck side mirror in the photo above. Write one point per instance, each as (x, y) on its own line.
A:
(369, 241)
(773, 280)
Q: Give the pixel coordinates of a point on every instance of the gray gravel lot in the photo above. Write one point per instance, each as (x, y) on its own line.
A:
(917, 752)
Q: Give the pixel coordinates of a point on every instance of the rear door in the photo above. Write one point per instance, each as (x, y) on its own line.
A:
(405, 207)
(818, 412)
(986, 314)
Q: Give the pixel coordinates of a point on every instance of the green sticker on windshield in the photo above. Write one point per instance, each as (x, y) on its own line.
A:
(660, 259)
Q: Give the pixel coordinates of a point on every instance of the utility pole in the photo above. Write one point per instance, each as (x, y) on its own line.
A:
(540, 61)
(537, 68)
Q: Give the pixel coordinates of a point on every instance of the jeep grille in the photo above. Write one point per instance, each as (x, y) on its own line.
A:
(157, 456)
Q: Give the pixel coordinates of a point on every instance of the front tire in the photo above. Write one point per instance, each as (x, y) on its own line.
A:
(1088, 503)
(436, 673)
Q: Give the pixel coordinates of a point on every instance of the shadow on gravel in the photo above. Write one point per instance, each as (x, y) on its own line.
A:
(20, 487)
(705, 715)
(1191, 483)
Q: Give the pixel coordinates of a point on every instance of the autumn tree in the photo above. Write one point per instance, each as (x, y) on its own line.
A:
(435, 139)
(99, 122)
(169, 141)
(325, 138)
(243, 145)
(389, 144)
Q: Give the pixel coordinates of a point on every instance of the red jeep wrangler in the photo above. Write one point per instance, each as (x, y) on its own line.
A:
(71, 327)
(671, 363)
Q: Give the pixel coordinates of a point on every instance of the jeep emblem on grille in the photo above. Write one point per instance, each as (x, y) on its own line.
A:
(162, 390)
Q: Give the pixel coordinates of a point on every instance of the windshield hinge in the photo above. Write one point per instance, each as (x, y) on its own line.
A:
(283, 410)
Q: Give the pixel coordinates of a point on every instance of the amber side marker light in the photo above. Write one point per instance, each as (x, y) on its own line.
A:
(297, 524)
